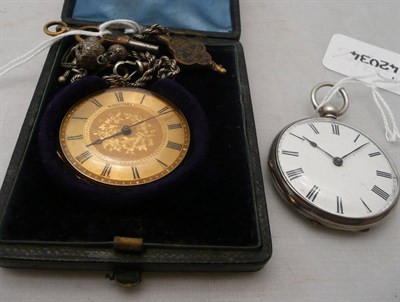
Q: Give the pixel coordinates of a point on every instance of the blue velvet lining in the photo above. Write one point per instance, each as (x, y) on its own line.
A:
(202, 15)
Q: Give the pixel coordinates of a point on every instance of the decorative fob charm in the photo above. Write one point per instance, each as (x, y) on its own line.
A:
(332, 173)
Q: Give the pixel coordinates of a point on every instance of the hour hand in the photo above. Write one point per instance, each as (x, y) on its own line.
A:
(315, 145)
(100, 140)
(96, 142)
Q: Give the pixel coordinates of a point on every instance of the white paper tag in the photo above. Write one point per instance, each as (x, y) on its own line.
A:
(352, 57)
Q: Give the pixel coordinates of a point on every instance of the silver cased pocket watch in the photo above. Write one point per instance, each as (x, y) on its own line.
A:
(332, 173)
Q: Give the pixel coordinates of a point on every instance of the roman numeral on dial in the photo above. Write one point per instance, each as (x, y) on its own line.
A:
(374, 154)
(119, 96)
(384, 174)
(161, 111)
(106, 171)
(174, 126)
(135, 173)
(84, 156)
(314, 128)
(173, 145)
(96, 103)
(313, 193)
(296, 173)
(164, 165)
(290, 153)
(335, 129)
(339, 205)
(378, 191)
(365, 205)
(74, 137)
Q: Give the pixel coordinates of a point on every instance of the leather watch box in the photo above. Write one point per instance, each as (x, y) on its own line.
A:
(217, 221)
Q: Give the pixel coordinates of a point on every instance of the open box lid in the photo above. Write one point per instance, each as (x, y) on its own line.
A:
(207, 18)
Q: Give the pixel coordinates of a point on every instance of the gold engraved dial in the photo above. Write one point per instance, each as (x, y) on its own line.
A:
(124, 137)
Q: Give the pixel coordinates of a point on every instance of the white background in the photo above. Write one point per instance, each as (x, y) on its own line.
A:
(284, 44)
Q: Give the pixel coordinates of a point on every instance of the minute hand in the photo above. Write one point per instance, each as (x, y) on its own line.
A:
(123, 131)
(356, 149)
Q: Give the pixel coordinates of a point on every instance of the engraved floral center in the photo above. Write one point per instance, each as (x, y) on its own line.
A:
(125, 136)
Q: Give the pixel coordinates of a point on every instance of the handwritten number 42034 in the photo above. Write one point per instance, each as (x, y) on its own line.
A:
(375, 62)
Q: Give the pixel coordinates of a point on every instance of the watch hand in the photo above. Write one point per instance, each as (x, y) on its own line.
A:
(126, 130)
(356, 149)
(100, 140)
(314, 144)
(154, 116)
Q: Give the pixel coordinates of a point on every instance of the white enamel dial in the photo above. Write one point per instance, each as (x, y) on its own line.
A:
(338, 173)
